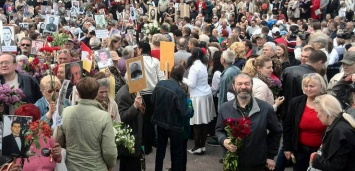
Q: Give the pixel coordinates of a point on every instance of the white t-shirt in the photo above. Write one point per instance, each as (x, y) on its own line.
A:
(14, 83)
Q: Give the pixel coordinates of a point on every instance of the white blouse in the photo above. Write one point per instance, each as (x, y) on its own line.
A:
(197, 80)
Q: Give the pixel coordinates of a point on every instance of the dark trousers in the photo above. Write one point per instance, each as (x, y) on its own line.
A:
(130, 163)
(302, 156)
(176, 149)
(281, 160)
(148, 127)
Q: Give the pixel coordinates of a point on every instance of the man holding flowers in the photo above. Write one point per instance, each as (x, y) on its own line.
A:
(258, 149)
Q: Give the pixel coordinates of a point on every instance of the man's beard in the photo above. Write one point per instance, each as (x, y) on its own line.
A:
(244, 94)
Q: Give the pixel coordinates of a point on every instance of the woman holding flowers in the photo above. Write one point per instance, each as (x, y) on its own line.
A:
(302, 130)
(37, 161)
(50, 86)
(261, 69)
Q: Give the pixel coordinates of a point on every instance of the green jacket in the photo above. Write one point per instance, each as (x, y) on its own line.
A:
(87, 134)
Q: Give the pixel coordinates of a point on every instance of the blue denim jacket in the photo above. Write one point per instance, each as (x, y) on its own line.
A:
(43, 107)
(169, 105)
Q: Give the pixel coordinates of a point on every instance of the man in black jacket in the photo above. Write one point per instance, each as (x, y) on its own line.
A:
(169, 116)
(262, 114)
(12, 144)
(28, 84)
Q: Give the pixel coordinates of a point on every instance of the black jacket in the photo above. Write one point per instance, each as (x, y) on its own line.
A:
(170, 112)
(338, 148)
(131, 116)
(342, 91)
(291, 79)
(29, 85)
(292, 122)
(259, 145)
(10, 147)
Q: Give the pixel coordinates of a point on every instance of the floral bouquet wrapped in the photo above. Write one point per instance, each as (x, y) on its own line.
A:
(37, 129)
(276, 86)
(149, 29)
(123, 136)
(237, 130)
(35, 68)
(10, 95)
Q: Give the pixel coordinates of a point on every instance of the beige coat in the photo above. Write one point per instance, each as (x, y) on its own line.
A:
(87, 134)
(262, 91)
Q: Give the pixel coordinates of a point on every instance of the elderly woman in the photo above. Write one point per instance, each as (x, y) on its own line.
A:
(302, 130)
(47, 104)
(156, 39)
(319, 41)
(103, 97)
(338, 144)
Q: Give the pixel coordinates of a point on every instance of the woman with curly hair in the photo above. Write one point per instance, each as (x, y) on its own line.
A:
(238, 48)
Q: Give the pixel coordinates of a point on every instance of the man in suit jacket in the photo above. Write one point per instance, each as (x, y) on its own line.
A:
(181, 54)
(12, 144)
(51, 26)
(7, 41)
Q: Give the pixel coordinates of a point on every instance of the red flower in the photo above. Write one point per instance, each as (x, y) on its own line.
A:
(35, 61)
(49, 39)
(56, 48)
(28, 137)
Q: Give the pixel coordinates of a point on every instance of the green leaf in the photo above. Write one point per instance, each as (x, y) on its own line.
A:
(38, 146)
(45, 140)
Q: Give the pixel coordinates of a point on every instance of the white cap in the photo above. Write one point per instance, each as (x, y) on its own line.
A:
(279, 22)
(275, 30)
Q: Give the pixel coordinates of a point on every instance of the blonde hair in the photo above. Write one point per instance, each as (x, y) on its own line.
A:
(46, 81)
(238, 48)
(329, 105)
(253, 63)
(315, 77)
(249, 68)
(157, 38)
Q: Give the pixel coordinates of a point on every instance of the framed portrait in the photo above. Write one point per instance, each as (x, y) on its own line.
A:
(136, 75)
(75, 4)
(24, 25)
(74, 72)
(13, 131)
(8, 43)
(36, 45)
(73, 12)
(133, 13)
(184, 10)
(100, 21)
(114, 32)
(153, 13)
(41, 26)
(131, 37)
(51, 22)
(45, 10)
(103, 58)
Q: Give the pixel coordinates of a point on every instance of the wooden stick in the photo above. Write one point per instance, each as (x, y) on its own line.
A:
(166, 70)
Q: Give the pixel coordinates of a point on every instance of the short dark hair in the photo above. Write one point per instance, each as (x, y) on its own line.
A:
(15, 122)
(177, 72)
(265, 30)
(305, 26)
(177, 33)
(317, 26)
(248, 43)
(187, 19)
(187, 30)
(7, 28)
(317, 56)
(145, 47)
(87, 88)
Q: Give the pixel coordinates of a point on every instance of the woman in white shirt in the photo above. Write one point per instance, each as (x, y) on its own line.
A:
(202, 100)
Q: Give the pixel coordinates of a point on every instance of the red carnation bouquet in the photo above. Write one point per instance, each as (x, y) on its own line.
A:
(237, 130)
(37, 129)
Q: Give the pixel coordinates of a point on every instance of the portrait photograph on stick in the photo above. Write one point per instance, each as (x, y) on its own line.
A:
(51, 23)
(8, 43)
(103, 58)
(135, 72)
(36, 45)
(153, 13)
(74, 72)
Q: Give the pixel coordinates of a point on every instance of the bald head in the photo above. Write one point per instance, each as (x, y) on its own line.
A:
(352, 49)
(181, 44)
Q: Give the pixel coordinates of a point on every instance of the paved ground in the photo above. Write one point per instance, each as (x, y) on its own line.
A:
(206, 162)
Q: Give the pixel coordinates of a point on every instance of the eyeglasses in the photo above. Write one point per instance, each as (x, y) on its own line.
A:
(26, 45)
(64, 51)
(214, 18)
(51, 91)
(6, 63)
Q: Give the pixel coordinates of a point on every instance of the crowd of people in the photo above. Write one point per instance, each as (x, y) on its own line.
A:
(288, 65)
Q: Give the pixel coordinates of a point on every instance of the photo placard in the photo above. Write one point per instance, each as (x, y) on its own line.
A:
(136, 75)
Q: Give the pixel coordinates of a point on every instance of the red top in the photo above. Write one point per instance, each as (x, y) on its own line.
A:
(155, 53)
(311, 129)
